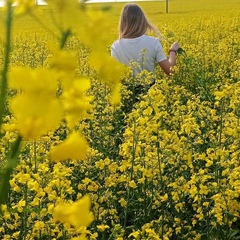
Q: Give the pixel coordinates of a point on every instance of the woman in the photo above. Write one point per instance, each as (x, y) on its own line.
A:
(134, 48)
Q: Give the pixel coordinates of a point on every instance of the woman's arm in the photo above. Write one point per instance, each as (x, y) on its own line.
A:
(169, 63)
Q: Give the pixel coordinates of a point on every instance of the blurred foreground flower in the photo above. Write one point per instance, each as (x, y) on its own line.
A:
(36, 115)
(109, 71)
(95, 37)
(62, 60)
(33, 80)
(74, 147)
(77, 213)
(76, 102)
(68, 14)
(36, 108)
(24, 6)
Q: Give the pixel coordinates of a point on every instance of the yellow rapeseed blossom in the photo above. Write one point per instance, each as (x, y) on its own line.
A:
(102, 228)
(24, 6)
(62, 60)
(76, 102)
(68, 14)
(108, 69)
(36, 108)
(74, 147)
(116, 96)
(35, 114)
(95, 37)
(33, 81)
(203, 189)
(132, 184)
(77, 213)
(135, 234)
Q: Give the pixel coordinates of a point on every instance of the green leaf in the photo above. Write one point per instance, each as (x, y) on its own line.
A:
(182, 52)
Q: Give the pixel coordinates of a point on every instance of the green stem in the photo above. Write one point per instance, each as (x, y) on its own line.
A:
(7, 171)
(35, 156)
(4, 84)
(161, 181)
(135, 141)
(221, 121)
(64, 38)
(24, 233)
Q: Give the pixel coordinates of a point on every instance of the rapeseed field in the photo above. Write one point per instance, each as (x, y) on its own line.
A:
(82, 156)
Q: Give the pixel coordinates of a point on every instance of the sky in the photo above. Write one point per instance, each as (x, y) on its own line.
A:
(40, 2)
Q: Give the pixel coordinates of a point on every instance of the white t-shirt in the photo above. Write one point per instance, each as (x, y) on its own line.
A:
(140, 53)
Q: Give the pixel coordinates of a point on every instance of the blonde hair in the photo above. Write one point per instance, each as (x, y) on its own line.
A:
(134, 23)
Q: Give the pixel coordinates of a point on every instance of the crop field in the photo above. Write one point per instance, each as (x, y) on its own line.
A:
(83, 155)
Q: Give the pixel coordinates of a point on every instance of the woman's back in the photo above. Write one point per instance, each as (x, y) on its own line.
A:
(141, 53)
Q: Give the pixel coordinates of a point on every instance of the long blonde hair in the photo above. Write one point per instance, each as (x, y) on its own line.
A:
(134, 23)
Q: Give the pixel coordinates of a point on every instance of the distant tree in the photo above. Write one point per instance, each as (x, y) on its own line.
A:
(166, 6)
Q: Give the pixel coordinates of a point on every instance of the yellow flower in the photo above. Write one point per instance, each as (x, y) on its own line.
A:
(116, 97)
(62, 60)
(193, 190)
(89, 33)
(76, 102)
(109, 69)
(38, 225)
(102, 228)
(132, 184)
(37, 110)
(122, 202)
(36, 114)
(82, 237)
(135, 234)
(64, 63)
(77, 213)
(24, 6)
(20, 205)
(203, 189)
(68, 14)
(33, 80)
(74, 147)
(164, 198)
(178, 230)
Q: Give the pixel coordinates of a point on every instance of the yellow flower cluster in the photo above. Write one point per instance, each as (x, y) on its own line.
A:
(36, 109)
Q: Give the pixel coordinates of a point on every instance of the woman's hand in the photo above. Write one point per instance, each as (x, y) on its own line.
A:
(175, 46)
(168, 64)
